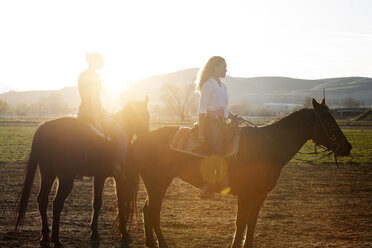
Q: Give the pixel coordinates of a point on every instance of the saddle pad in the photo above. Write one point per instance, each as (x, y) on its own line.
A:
(184, 142)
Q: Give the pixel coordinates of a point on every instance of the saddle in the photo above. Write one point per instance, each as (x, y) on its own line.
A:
(186, 140)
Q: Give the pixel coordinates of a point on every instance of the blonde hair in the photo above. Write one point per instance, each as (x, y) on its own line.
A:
(206, 72)
(91, 57)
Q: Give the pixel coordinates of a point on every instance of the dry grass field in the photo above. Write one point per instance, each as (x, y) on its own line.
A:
(312, 206)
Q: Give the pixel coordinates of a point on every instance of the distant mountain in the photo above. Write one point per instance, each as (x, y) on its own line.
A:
(5, 88)
(260, 90)
(290, 90)
(69, 94)
(254, 91)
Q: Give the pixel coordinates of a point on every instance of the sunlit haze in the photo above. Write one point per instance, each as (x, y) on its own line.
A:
(43, 43)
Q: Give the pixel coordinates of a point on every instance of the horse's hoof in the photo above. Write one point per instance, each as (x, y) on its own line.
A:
(58, 245)
(94, 237)
(126, 238)
(44, 243)
(152, 245)
(125, 246)
(163, 246)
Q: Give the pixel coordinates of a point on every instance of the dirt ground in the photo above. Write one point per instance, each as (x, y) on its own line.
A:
(312, 206)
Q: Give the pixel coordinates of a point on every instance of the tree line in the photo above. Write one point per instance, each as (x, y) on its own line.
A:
(347, 102)
(53, 104)
(177, 101)
(183, 103)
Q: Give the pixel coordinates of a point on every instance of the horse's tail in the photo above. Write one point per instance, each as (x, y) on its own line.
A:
(29, 179)
(127, 194)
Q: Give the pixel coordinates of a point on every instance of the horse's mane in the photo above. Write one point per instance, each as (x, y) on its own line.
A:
(279, 122)
(286, 119)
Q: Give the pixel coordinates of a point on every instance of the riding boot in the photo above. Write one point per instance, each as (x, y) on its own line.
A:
(208, 191)
(223, 186)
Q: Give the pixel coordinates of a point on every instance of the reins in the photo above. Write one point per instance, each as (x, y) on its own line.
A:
(247, 122)
(326, 153)
(317, 124)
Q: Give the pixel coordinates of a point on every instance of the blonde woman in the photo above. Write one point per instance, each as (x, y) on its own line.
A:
(90, 88)
(214, 103)
(91, 109)
(213, 109)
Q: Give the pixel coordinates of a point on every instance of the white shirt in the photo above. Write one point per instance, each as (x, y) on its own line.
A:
(213, 97)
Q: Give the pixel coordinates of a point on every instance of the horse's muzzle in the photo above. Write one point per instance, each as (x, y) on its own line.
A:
(342, 150)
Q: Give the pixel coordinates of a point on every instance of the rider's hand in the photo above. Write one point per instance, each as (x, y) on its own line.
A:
(236, 118)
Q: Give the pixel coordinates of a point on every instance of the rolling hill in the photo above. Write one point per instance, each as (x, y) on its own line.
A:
(255, 91)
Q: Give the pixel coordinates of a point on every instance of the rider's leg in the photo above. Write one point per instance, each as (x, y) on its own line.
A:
(114, 130)
(214, 139)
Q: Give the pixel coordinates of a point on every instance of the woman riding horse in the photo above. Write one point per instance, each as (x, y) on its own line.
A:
(66, 147)
(253, 171)
(213, 112)
(91, 109)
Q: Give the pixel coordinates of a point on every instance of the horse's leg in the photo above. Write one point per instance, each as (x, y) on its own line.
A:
(97, 204)
(251, 223)
(124, 192)
(64, 189)
(155, 201)
(241, 223)
(42, 199)
(149, 233)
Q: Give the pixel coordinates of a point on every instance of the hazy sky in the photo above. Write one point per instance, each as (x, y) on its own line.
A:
(43, 43)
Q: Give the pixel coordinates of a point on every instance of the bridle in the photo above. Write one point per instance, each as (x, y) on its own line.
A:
(319, 125)
(331, 138)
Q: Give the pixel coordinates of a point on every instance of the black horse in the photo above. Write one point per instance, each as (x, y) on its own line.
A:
(66, 147)
(252, 173)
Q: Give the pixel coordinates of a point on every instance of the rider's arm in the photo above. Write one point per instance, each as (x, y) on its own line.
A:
(202, 118)
(202, 111)
(232, 115)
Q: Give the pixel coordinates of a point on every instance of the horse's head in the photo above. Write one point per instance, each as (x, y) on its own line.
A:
(135, 117)
(327, 132)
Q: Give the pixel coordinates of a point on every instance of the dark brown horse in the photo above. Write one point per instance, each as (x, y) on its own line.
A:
(252, 173)
(66, 147)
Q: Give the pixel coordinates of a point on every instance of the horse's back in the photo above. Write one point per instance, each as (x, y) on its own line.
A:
(65, 127)
(63, 139)
(162, 135)
(63, 123)
(152, 146)
(254, 144)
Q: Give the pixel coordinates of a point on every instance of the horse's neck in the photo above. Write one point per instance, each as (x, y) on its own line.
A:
(129, 130)
(289, 135)
(125, 124)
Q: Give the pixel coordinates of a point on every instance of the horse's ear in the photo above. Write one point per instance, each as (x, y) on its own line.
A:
(147, 100)
(323, 102)
(315, 103)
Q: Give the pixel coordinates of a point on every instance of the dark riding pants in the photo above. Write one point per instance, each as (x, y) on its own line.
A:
(114, 131)
(214, 133)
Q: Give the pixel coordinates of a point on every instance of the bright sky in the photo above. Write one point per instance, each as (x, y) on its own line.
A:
(43, 43)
